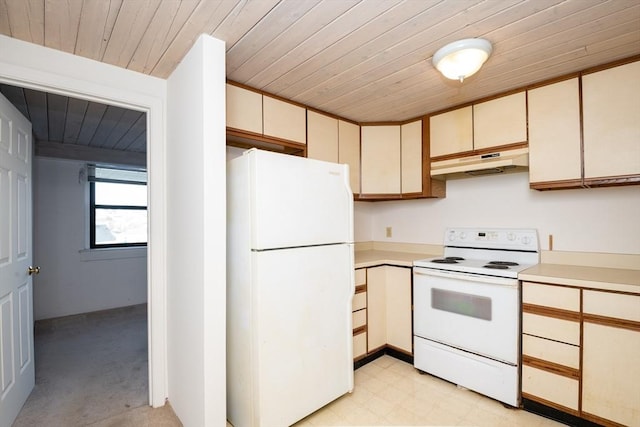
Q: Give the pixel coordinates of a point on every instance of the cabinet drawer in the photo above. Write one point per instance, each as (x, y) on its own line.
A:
(553, 388)
(359, 345)
(565, 331)
(361, 276)
(359, 301)
(551, 296)
(359, 318)
(552, 351)
(608, 304)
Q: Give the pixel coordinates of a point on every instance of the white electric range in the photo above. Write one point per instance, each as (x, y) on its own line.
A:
(467, 309)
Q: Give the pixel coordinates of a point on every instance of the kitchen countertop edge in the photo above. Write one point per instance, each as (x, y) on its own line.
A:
(599, 278)
(371, 258)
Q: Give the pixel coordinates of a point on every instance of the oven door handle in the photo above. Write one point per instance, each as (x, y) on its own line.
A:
(491, 280)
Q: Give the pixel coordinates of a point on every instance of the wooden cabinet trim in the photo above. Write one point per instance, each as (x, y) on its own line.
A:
(361, 288)
(244, 139)
(360, 330)
(550, 404)
(602, 421)
(556, 313)
(554, 368)
(613, 322)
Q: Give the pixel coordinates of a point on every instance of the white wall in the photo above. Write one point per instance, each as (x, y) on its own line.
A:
(73, 280)
(605, 220)
(196, 225)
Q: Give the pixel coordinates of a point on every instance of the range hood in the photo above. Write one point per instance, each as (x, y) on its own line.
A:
(506, 161)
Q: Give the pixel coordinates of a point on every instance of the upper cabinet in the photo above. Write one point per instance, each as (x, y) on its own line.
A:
(322, 137)
(244, 109)
(611, 123)
(395, 163)
(284, 120)
(380, 160)
(480, 127)
(349, 151)
(500, 121)
(600, 148)
(411, 157)
(258, 120)
(451, 132)
(335, 140)
(554, 134)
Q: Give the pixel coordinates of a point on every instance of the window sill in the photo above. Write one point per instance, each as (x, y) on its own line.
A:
(112, 253)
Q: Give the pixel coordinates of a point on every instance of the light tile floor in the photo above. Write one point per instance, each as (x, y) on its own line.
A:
(389, 392)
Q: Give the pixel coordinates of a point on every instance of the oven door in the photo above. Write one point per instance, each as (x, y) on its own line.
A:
(475, 313)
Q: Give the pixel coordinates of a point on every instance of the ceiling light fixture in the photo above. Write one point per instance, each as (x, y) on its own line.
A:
(462, 58)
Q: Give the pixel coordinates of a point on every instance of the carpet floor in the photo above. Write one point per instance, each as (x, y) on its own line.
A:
(92, 370)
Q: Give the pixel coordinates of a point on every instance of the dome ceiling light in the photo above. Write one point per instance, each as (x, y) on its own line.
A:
(462, 58)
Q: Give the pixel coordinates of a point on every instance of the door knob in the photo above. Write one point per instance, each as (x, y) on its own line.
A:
(33, 270)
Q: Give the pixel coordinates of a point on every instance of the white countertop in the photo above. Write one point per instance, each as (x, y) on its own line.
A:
(371, 258)
(610, 279)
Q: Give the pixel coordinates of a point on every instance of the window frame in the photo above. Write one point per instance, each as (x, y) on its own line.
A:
(93, 206)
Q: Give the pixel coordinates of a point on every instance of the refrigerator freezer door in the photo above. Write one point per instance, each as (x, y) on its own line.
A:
(298, 201)
(303, 324)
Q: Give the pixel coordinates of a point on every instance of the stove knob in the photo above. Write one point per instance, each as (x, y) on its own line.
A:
(452, 236)
(526, 240)
(463, 235)
(511, 237)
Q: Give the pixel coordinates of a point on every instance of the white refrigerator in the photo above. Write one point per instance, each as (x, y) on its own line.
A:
(290, 284)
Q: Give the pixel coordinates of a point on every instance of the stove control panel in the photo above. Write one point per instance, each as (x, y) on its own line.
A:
(517, 239)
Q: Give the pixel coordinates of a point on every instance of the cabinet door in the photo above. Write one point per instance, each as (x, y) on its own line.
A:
(611, 356)
(376, 308)
(244, 109)
(451, 132)
(611, 121)
(349, 151)
(284, 120)
(399, 332)
(380, 159)
(611, 373)
(555, 153)
(500, 121)
(411, 151)
(322, 137)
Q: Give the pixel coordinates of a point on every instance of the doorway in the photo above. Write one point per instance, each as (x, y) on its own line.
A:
(77, 282)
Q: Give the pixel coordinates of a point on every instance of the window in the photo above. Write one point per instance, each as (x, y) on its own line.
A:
(117, 207)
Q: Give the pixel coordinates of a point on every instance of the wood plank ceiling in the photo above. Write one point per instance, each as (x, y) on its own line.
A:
(364, 60)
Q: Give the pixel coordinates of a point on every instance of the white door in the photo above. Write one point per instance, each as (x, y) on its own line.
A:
(16, 300)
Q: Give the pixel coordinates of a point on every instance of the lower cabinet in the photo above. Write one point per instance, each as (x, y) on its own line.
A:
(360, 315)
(611, 358)
(389, 308)
(581, 352)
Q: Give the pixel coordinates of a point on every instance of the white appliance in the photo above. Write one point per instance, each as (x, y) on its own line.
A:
(290, 284)
(467, 309)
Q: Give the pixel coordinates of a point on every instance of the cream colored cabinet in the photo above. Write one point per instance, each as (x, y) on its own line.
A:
(389, 308)
(551, 345)
(451, 132)
(398, 308)
(411, 157)
(322, 137)
(360, 315)
(284, 120)
(611, 358)
(377, 308)
(555, 151)
(611, 122)
(500, 121)
(380, 159)
(244, 109)
(349, 151)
